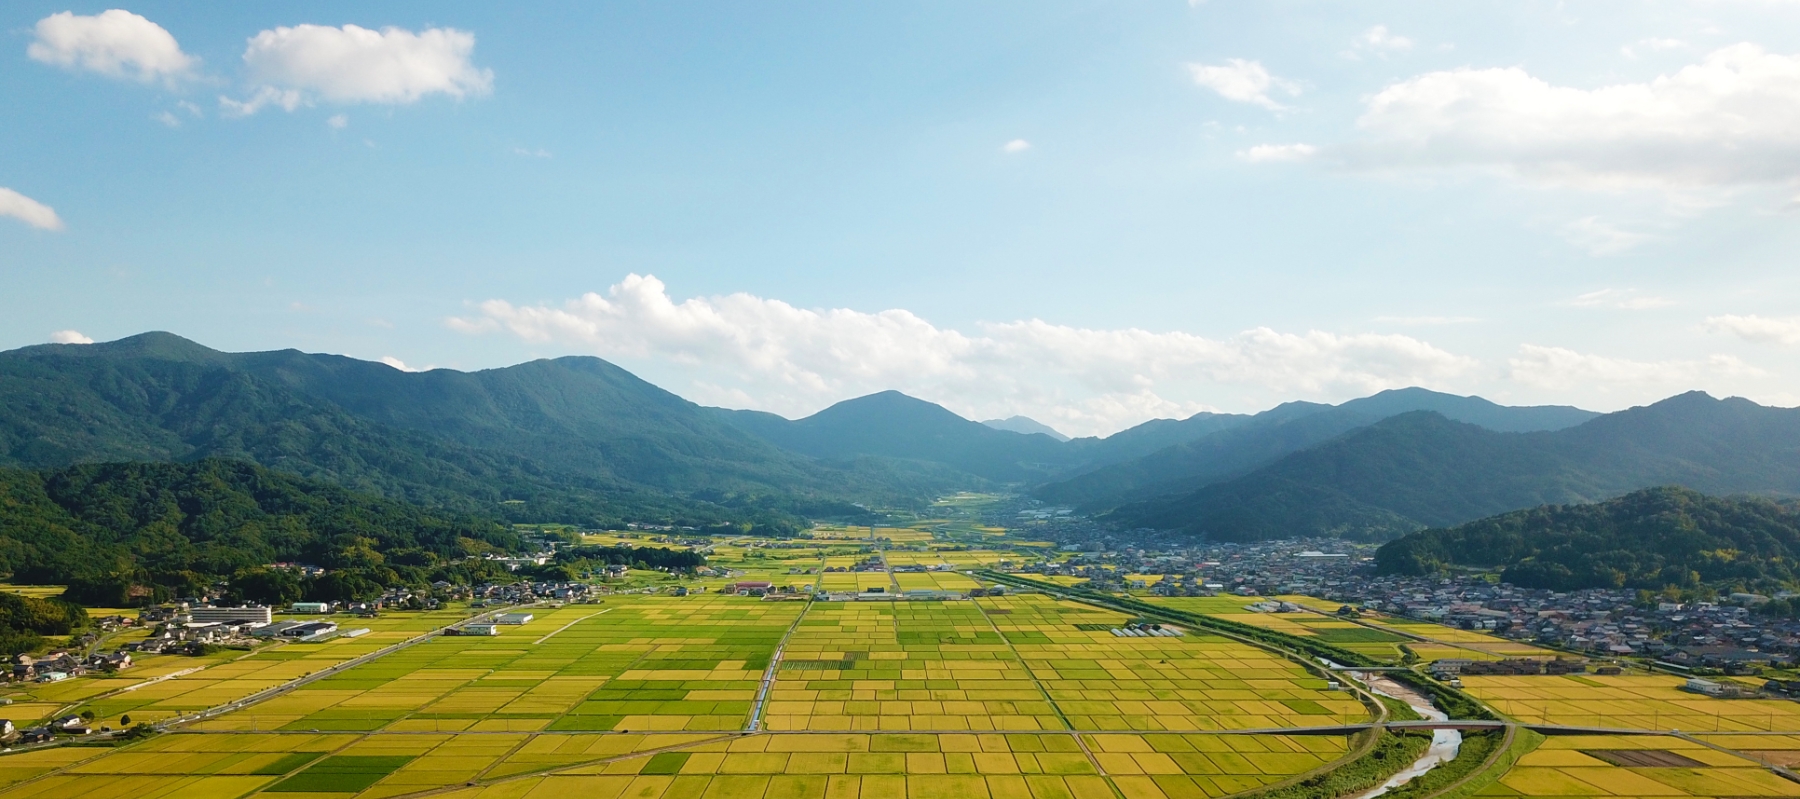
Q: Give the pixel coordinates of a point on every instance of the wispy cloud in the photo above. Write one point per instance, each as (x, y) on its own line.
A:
(1015, 146)
(1751, 327)
(1599, 238)
(29, 211)
(1243, 81)
(1277, 153)
(1378, 41)
(1652, 45)
(1559, 368)
(1622, 299)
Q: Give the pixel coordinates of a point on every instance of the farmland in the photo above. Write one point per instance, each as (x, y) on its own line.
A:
(649, 694)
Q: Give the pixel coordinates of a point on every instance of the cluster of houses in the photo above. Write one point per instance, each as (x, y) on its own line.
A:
(1726, 636)
(67, 725)
(1449, 667)
(869, 564)
(526, 592)
(59, 666)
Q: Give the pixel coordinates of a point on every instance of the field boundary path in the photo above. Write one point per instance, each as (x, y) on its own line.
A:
(1060, 715)
(570, 624)
(768, 680)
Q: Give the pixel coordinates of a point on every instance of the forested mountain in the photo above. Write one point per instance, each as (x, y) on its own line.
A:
(893, 425)
(580, 440)
(1421, 470)
(1251, 442)
(118, 532)
(1647, 539)
(574, 439)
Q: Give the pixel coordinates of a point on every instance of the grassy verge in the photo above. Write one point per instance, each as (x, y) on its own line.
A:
(1398, 710)
(1395, 751)
(1523, 741)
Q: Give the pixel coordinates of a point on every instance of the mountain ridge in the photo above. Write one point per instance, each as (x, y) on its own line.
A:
(1421, 470)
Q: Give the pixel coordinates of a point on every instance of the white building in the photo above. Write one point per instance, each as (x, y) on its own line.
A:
(255, 614)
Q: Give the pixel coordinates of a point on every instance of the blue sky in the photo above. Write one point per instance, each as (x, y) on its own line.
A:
(1090, 213)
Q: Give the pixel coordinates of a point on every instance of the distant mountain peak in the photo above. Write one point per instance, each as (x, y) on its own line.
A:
(154, 344)
(1025, 425)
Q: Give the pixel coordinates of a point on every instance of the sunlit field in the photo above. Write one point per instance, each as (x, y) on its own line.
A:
(1648, 702)
(713, 694)
(1636, 766)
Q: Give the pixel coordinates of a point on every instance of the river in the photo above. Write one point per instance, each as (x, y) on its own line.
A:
(1444, 743)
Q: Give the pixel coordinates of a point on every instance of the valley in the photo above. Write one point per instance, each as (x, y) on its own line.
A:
(935, 658)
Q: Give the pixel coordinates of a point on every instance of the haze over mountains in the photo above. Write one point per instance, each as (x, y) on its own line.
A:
(578, 439)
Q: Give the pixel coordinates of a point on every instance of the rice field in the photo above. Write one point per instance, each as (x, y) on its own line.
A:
(1647, 702)
(1379, 644)
(648, 766)
(652, 696)
(1024, 695)
(1195, 682)
(638, 663)
(1636, 766)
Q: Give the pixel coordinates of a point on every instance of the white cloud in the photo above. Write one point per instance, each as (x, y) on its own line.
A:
(306, 63)
(168, 119)
(1379, 41)
(1757, 328)
(115, 43)
(530, 153)
(1277, 153)
(1732, 119)
(69, 337)
(401, 365)
(29, 211)
(1242, 81)
(1015, 146)
(1562, 369)
(1600, 239)
(794, 360)
(1622, 299)
(338, 122)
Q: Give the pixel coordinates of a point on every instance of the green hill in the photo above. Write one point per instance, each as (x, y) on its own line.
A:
(116, 532)
(893, 425)
(1421, 470)
(1646, 539)
(572, 439)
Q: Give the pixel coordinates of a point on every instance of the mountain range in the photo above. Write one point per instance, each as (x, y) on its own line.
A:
(1419, 469)
(580, 440)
